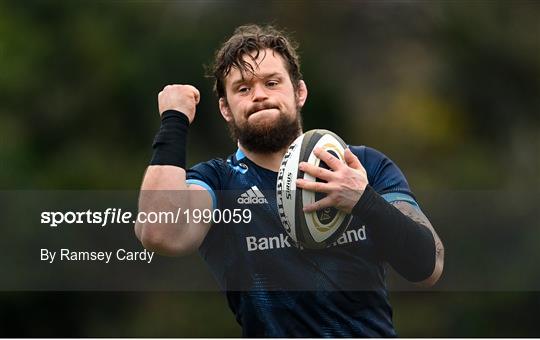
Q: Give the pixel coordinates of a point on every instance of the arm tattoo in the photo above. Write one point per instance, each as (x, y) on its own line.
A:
(416, 215)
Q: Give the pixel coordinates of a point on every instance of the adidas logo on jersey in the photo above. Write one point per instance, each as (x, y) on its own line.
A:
(252, 196)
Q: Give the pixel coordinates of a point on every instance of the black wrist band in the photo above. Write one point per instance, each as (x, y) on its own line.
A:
(170, 141)
(407, 245)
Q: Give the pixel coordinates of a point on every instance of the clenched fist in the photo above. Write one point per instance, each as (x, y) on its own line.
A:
(181, 98)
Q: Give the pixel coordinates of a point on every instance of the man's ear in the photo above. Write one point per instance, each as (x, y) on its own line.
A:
(301, 93)
(224, 109)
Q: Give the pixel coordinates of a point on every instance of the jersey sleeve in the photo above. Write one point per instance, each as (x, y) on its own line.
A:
(208, 175)
(384, 175)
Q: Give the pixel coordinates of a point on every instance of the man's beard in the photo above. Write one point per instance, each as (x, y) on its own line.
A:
(267, 138)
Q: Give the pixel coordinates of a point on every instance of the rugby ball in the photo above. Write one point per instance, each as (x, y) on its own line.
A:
(318, 229)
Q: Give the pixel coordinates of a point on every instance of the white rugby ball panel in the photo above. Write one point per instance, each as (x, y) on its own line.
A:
(286, 187)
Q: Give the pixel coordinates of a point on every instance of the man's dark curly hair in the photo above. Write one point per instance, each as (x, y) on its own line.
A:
(246, 40)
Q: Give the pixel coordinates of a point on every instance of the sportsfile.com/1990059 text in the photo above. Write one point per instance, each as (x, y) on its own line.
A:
(118, 216)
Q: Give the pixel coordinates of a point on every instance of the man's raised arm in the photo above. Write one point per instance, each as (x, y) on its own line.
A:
(164, 188)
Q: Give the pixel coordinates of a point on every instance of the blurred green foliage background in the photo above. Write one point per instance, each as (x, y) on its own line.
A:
(449, 90)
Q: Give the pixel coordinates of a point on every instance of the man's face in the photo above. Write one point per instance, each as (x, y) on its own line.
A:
(263, 109)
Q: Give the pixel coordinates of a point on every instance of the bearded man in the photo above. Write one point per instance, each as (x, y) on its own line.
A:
(273, 287)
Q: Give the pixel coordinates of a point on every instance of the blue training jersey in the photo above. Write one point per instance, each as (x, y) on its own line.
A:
(278, 290)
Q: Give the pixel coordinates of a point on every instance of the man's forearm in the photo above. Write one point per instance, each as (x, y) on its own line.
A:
(410, 246)
(170, 142)
(164, 186)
